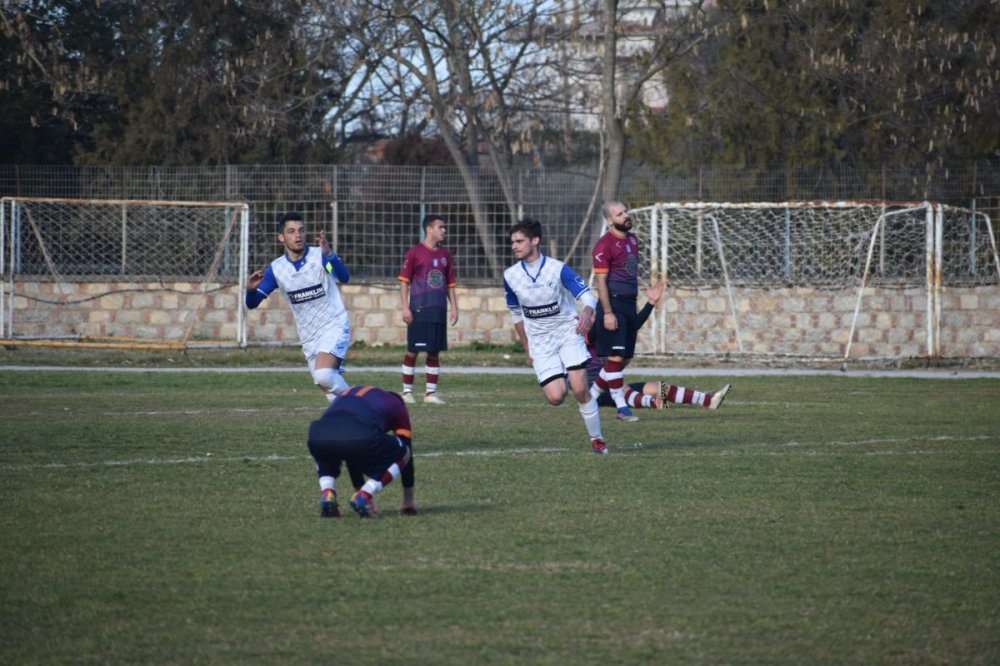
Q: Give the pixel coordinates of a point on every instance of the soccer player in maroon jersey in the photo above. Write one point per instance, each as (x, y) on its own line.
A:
(368, 429)
(427, 292)
(616, 276)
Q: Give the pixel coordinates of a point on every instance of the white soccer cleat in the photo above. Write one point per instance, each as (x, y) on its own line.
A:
(433, 399)
(719, 396)
(408, 398)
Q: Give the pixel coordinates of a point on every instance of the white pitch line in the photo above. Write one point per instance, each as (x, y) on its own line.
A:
(208, 457)
(490, 453)
(488, 370)
(897, 440)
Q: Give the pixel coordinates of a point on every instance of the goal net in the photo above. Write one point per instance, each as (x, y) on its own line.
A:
(809, 278)
(166, 274)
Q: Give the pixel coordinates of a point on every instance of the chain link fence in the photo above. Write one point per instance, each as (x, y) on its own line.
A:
(372, 212)
(813, 244)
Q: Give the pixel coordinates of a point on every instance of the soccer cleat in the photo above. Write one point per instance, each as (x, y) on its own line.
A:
(719, 396)
(328, 504)
(598, 445)
(433, 399)
(408, 398)
(625, 414)
(361, 502)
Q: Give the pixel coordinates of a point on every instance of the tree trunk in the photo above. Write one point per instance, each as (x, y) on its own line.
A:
(612, 121)
(471, 182)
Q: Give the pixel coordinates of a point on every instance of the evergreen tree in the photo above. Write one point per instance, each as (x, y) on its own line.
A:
(178, 83)
(833, 81)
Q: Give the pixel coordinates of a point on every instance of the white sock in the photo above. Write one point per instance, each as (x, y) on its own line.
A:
(591, 418)
(595, 391)
(327, 483)
(372, 487)
(339, 383)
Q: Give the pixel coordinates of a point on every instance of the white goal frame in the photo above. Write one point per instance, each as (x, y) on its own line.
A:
(659, 223)
(17, 223)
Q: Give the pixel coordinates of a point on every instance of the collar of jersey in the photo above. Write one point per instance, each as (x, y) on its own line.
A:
(541, 265)
(299, 263)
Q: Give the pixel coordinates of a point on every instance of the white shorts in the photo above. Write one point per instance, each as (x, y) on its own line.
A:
(549, 363)
(335, 342)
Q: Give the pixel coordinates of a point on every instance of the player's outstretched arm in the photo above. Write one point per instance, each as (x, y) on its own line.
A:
(654, 293)
(259, 285)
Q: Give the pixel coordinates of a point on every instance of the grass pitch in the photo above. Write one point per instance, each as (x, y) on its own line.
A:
(173, 518)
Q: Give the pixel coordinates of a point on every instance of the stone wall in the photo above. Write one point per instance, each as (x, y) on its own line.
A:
(793, 321)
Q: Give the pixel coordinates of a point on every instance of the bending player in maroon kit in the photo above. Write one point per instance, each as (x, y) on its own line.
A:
(368, 429)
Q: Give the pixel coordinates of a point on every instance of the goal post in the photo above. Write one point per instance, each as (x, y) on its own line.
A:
(122, 273)
(809, 279)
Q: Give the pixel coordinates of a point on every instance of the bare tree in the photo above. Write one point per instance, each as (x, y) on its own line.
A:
(673, 31)
(465, 67)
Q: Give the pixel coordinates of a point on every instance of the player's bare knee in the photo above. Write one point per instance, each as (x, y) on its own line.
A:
(556, 400)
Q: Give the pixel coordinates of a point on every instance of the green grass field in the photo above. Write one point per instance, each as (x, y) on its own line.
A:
(172, 518)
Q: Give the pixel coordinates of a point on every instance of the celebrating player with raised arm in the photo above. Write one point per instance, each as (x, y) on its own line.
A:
(307, 277)
(542, 293)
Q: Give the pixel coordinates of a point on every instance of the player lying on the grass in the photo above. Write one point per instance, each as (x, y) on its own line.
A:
(651, 394)
(368, 429)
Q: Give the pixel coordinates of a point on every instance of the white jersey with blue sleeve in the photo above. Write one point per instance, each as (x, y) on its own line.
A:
(544, 295)
(313, 295)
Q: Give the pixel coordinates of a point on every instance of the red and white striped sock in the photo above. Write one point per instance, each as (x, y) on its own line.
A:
(409, 368)
(637, 399)
(432, 368)
(682, 396)
(615, 378)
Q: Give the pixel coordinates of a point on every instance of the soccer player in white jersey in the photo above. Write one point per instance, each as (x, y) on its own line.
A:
(307, 277)
(542, 294)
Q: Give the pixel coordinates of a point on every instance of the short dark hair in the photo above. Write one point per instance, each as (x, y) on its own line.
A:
(290, 216)
(529, 227)
(431, 219)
